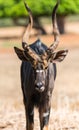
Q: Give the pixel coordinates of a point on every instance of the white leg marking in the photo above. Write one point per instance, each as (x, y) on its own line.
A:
(45, 114)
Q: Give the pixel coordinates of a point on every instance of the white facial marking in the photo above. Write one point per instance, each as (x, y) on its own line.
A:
(39, 71)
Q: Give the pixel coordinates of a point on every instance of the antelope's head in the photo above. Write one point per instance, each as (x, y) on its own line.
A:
(40, 62)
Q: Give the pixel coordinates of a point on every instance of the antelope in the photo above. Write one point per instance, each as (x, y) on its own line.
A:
(38, 72)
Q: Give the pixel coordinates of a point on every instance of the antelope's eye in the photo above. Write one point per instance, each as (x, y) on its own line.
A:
(46, 67)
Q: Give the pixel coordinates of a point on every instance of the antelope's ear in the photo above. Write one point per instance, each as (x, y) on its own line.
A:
(20, 54)
(59, 56)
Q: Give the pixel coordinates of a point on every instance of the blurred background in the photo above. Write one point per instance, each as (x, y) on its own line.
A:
(65, 98)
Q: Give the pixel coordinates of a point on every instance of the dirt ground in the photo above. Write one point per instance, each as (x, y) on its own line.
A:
(65, 98)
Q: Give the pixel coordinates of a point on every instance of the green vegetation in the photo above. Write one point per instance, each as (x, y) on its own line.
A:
(15, 8)
(8, 44)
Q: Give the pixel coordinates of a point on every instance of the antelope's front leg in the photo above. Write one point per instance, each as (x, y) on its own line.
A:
(29, 117)
(44, 114)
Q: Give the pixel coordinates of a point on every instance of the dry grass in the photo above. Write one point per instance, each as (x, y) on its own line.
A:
(62, 118)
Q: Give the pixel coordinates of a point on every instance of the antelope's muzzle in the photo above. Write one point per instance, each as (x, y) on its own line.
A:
(39, 87)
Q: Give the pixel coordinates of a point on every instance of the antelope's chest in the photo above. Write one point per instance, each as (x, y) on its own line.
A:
(40, 99)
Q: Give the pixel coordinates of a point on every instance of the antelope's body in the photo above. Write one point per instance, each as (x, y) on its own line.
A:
(38, 73)
(32, 97)
(28, 77)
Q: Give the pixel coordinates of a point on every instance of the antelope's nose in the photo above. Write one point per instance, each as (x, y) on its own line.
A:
(40, 87)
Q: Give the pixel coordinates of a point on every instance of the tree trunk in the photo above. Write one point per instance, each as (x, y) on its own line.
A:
(38, 26)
